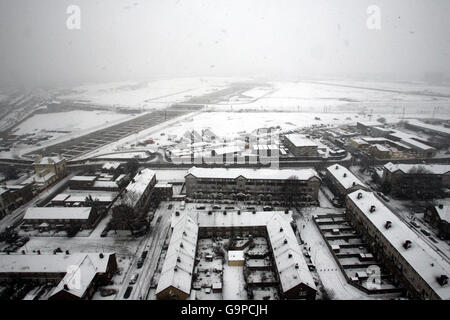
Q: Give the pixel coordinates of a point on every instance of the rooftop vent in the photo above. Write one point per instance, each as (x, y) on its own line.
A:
(254, 212)
(337, 167)
(290, 255)
(225, 213)
(359, 195)
(181, 245)
(354, 183)
(286, 211)
(175, 269)
(239, 212)
(407, 244)
(345, 175)
(285, 241)
(281, 229)
(178, 259)
(442, 280)
(177, 213)
(388, 224)
(66, 287)
(296, 266)
(101, 255)
(441, 206)
(372, 208)
(67, 252)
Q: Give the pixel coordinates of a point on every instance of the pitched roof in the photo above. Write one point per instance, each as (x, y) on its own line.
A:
(260, 174)
(344, 176)
(420, 256)
(179, 262)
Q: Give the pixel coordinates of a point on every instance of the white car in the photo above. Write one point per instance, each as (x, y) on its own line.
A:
(134, 278)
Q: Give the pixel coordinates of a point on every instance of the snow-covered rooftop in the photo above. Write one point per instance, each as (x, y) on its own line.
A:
(84, 178)
(48, 160)
(141, 181)
(405, 168)
(51, 213)
(444, 212)
(48, 263)
(231, 218)
(289, 260)
(252, 174)
(236, 255)
(179, 262)
(111, 165)
(344, 176)
(420, 256)
(300, 141)
(431, 127)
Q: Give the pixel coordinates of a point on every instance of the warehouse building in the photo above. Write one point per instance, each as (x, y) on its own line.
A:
(300, 146)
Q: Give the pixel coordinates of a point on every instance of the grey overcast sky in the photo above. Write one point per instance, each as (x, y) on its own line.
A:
(135, 39)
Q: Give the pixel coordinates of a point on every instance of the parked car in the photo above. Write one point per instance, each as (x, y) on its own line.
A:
(134, 278)
(140, 263)
(127, 292)
(104, 233)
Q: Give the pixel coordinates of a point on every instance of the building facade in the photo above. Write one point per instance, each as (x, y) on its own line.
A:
(262, 184)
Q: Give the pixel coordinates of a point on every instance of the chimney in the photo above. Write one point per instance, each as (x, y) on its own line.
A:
(289, 255)
(441, 206)
(296, 266)
(407, 244)
(388, 224)
(285, 241)
(337, 167)
(178, 259)
(345, 175)
(359, 195)
(281, 229)
(101, 255)
(372, 208)
(181, 245)
(442, 280)
(66, 287)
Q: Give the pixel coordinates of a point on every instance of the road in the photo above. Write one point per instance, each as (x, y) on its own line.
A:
(153, 243)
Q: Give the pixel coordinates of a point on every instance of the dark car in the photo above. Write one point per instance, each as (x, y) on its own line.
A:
(128, 292)
(140, 263)
(104, 233)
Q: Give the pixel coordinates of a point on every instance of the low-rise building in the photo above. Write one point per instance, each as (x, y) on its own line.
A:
(60, 217)
(415, 180)
(13, 196)
(421, 271)
(243, 183)
(139, 190)
(343, 181)
(76, 275)
(176, 276)
(301, 146)
(439, 217)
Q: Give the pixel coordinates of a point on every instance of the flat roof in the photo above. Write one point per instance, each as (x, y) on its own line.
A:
(300, 141)
(236, 255)
(52, 213)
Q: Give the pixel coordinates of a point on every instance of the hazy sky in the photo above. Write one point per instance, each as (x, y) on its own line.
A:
(132, 39)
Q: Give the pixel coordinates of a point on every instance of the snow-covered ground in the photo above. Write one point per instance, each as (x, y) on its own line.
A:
(147, 94)
(68, 121)
(309, 96)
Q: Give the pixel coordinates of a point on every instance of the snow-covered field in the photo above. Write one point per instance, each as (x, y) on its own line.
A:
(315, 97)
(143, 95)
(68, 121)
